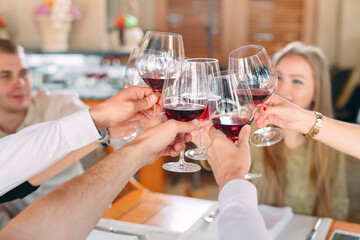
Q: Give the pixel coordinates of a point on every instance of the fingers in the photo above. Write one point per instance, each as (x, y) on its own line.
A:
(140, 91)
(244, 135)
(184, 127)
(145, 103)
(187, 137)
(215, 133)
(156, 121)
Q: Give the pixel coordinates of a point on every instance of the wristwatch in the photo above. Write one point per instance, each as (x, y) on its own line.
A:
(317, 126)
(104, 139)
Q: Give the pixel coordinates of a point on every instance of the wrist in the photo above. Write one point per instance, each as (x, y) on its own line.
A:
(138, 152)
(96, 116)
(306, 122)
(231, 176)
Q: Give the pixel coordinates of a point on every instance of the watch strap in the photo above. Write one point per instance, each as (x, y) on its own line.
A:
(317, 126)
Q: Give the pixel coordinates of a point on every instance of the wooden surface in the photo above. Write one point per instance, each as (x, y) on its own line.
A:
(165, 211)
(343, 226)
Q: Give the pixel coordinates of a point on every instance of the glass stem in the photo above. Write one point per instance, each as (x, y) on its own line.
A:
(202, 139)
(264, 134)
(182, 158)
(182, 153)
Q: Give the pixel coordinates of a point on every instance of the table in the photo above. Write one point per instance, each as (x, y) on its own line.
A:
(173, 214)
(344, 226)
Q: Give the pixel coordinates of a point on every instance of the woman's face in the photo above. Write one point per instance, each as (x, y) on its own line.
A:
(296, 82)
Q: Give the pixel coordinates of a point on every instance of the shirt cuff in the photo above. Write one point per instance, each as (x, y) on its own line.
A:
(79, 129)
(238, 189)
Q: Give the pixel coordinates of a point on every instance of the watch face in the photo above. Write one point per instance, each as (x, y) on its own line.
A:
(103, 134)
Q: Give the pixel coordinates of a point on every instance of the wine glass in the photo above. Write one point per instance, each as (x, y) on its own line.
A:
(253, 64)
(160, 58)
(232, 110)
(212, 66)
(132, 77)
(184, 100)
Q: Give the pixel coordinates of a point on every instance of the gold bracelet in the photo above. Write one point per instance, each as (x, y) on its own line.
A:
(317, 125)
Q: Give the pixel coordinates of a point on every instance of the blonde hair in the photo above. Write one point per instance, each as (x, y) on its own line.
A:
(322, 160)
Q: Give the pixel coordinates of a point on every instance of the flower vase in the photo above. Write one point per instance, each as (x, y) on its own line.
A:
(132, 39)
(54, 33)
(4, 34)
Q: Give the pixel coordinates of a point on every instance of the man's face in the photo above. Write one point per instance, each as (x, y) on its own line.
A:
(15, 87)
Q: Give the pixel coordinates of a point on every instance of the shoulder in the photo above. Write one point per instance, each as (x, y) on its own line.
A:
(60, 95)
(57, 103)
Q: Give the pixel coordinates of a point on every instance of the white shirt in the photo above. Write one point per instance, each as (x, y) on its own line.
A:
(239, 214)
(35, 148)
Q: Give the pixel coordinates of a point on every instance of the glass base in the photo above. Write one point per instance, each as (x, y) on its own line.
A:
(249, 176)
(131, 137)
(267, 136)
(181, 167)
(197, 154)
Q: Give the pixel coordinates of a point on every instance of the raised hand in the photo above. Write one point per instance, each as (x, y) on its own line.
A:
(229, 160)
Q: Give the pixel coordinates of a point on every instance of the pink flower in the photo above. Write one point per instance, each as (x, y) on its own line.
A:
(45, 9)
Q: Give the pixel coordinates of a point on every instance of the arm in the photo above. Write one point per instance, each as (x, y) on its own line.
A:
(72, 210)
(119, 131)
(62, 164)
(285, 114)
(41, 145)
(239, 214)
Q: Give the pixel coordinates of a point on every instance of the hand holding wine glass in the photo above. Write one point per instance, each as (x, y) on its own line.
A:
(184, 100)
(253, 64)
(232, 111)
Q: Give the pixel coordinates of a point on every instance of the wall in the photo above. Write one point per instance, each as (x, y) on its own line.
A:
(90, 33)
(338, 31)
(337, 27)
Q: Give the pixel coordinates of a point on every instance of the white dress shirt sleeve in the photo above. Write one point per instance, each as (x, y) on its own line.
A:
(35, 148)
(239, 215)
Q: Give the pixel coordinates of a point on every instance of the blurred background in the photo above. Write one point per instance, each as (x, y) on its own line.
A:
(98, 42)
(210, 28)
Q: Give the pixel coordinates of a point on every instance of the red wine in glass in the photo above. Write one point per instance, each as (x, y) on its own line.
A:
(259, 95)
(155, 83)
(205, 115)
(184, 111)
(212, 102)
(230, 125)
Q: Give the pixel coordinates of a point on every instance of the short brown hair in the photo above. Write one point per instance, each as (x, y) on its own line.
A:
(7, 46)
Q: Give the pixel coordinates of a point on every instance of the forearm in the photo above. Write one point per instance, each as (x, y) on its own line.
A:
(239, 214)
(342, 136)
(61, 165)
(37, 147)
(72, 210)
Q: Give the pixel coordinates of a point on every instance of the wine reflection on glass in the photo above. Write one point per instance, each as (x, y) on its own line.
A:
(184, 100)
(231, 112)
(254, 65)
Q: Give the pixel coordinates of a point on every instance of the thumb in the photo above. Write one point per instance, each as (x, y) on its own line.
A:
(184, 127)
(213, 132)
(146, 102)
(244, 135)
